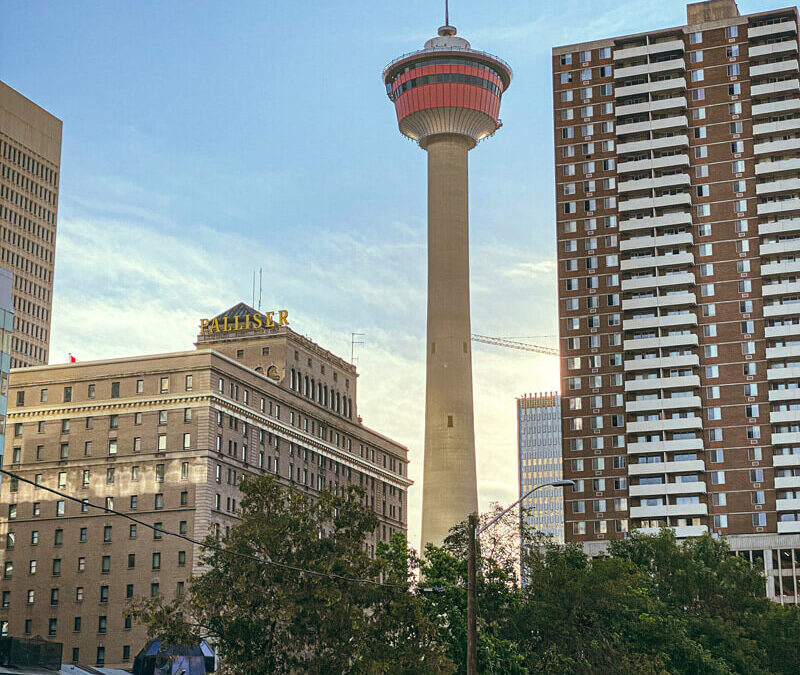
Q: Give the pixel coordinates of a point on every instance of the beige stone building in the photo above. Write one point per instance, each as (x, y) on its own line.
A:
(166, 438)
(30, 161)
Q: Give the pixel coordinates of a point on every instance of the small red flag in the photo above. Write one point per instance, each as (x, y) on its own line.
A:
(72, 359)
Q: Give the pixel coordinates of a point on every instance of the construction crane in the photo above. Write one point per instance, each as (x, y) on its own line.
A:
(513, 344)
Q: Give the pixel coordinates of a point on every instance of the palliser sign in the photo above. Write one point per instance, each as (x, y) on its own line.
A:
(246, 322)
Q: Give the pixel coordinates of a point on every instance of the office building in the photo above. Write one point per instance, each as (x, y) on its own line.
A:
(678, 215)
(447, 99)
(30, 163)
(539, 438)
(6, 333)
(166, 438)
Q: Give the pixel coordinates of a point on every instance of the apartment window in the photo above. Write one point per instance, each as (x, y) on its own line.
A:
(105, 564)
(696, 56)
(732, 52)
(159, 473)
(734, 70)
(697, 75)
(156, 561)
(735, 89)
(717, 477)
(759, 519)
(159, 501)
(162, 442)
(695, 38)
(720, 521)
(731, 31)
(756, 475)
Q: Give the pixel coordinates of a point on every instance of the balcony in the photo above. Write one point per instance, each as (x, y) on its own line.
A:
(698, 487)
(675, 179)
(784, 416)
(783, 395)
(682, 382)
(679, 140)
(666, 446)
(679, 403)
(673, 103)
(679, 121)
(782, 331)
(690, 339)
(680, 532)
(772, 48)
(785, 438)
(783, 352)
(668, 510)
(773, 147)
(789, 527)
(781, 166)
(675, 300)
(771, 29)
(783, 206)
(783, 185)
(683, 361)
(637, 243)
(786, 267)
(648, 469)
(657, 48)
(782, 288)
(775, 107)
(767, 69)
(787, 482)
(783, 373)
(783, 461)
(773, 88)
(686, 319)
(664, 281)
(770, 128)
(649, 68)
(650, 87)
(645, 262)
(780, 247)
(633, 224)
(679, 424)
(785, 226)
(653, 164)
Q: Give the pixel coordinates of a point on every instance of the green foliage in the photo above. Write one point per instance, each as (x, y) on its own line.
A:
(651, 606)
(267, 619)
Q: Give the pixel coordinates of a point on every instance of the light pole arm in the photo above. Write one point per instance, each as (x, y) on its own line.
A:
(562, 483)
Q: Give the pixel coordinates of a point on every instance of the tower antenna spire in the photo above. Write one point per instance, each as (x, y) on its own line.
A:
(446, 12)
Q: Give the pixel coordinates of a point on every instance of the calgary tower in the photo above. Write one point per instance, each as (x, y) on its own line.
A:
(447, 98)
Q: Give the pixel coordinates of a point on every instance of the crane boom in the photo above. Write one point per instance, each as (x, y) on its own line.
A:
(513, 344)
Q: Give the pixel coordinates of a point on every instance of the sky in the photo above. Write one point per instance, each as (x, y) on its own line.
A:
(205, 140)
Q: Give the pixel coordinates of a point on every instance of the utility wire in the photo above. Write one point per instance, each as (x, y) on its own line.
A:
(246, 556)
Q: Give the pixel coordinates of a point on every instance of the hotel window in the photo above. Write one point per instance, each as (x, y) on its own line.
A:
(188, 383)
(162, 417)
(137, 418)
(112, 446)
(115, 390)
(113, 421)
(159, 473)
(156, 560)
(63, 452)
(43, 396)
(67, 394)
(139, 386)
(137, 444)
(110, 475)
(162, 442)
(90, 393)
(65, 424)
(164, 388)
(159, 501)
(60, 507)
(184, 470)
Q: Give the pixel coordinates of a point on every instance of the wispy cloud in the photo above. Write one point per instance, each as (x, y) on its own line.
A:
(125, 287)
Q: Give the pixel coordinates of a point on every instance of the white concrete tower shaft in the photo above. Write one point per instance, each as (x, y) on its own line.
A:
(449, 487)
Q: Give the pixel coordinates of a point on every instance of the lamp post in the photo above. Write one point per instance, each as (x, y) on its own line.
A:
(472, 586)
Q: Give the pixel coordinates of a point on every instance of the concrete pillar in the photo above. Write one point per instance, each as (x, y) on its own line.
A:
(449, 484)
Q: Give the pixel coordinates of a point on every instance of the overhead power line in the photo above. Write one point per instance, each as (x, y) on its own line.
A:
(220, 549)
(512, 344)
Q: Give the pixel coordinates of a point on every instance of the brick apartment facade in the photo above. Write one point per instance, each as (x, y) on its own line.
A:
(165, 438)
(678, 215)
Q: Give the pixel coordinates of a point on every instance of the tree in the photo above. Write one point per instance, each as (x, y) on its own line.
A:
(268, 618)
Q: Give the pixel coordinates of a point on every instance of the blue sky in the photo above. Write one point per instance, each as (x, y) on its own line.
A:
(203, 140)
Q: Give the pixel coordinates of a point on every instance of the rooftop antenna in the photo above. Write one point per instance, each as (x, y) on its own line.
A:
(254, 287)
(260, 286)
(446, 12)
(353, 342)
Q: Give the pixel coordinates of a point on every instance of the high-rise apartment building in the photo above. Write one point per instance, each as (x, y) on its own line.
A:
(539, 438)
(166, 438)
(30, 161)
(678, 214)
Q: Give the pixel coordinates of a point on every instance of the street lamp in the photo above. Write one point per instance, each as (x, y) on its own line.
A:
(472, 586)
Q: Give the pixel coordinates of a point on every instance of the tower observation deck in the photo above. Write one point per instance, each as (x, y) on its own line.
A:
(447, 99)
